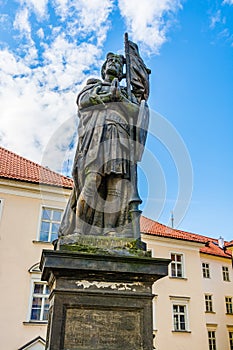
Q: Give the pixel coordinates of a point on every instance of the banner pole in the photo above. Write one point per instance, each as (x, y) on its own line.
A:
(134, 200)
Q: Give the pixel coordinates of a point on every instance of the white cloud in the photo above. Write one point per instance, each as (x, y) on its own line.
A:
(216, 18)
(62, 8)
(85, 16)
(22, 22)
(145, 20)
(220, 23)
(40, 79)
(11, 65)
(40, 33)
(4, 18)
(31, 113)
(228, 2)
(39, 7)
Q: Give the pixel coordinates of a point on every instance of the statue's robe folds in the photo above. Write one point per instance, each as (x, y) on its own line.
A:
(104, 147)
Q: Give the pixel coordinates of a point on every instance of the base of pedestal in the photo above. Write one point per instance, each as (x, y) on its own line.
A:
(100, 302)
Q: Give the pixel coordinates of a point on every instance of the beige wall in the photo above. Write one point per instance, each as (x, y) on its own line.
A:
(219, 289)
(19, 250)
(186, 290)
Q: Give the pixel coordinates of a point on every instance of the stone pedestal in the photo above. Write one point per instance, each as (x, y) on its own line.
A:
(100, 302)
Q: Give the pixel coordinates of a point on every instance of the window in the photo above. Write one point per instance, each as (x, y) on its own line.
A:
(225, 273)
(179, 317)
(40, 302)
(206, 270)
(231, 340)
(50, 222)
(208, 303)
(177, 265)
(229, 305)
(180, 313)
(212, 340)
(1, 206)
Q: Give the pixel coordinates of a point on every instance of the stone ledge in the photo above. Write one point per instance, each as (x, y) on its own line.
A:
(64, 263)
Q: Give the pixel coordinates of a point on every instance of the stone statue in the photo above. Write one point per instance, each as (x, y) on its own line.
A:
(112, 129)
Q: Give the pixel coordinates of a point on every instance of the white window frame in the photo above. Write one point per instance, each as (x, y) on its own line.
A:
(154, 310)
(230, 336)
(209, 306)
(35, 278)
(180, 301)
(204, 269)
(176, 264)
(212, 328)
(49, 207)
(229, 305)
(212, 341)
(1, 207)
(225, 274)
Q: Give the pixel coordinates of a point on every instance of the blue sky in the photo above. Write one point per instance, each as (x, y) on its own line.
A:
(48, 49)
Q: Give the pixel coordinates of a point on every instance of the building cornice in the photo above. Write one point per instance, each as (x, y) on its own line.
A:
(20, 188)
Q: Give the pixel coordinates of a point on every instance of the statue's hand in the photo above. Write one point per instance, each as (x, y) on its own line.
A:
(115, 90)
(95, 98)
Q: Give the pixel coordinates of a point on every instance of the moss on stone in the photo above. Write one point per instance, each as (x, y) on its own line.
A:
(106, 245)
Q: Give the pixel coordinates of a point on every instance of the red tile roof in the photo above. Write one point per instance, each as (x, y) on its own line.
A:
(15, 167)
(211, 247)
(155, 228)
(229, 244)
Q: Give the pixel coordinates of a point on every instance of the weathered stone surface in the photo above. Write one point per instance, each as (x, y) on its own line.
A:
(100, 302)
(102, 329)
(103, 245)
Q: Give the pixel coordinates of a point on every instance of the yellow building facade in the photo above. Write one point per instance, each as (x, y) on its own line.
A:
(192, 305)
(32, 200)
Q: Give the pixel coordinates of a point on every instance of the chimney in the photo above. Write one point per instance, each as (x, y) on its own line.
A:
(221, 242)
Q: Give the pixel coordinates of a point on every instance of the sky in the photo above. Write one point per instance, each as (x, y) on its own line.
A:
(49, 48)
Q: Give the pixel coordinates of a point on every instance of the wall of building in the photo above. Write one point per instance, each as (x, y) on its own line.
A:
(218, 320)
(186, 290)
(19, 251)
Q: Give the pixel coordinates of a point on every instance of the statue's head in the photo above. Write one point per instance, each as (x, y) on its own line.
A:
(113, 66)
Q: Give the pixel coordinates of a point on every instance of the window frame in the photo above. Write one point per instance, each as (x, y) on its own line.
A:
(209, 306)
(44, 297)
(230, 335)
(229, 305)
(181, 302)
(52, 208)
(212, 341)
(154, 313)
(35, 275)
(1, 207)
(225, 274)
(205, 270)
(176, 264)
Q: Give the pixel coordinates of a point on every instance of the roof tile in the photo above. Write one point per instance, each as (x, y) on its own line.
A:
(211, 247)
(15, 167)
